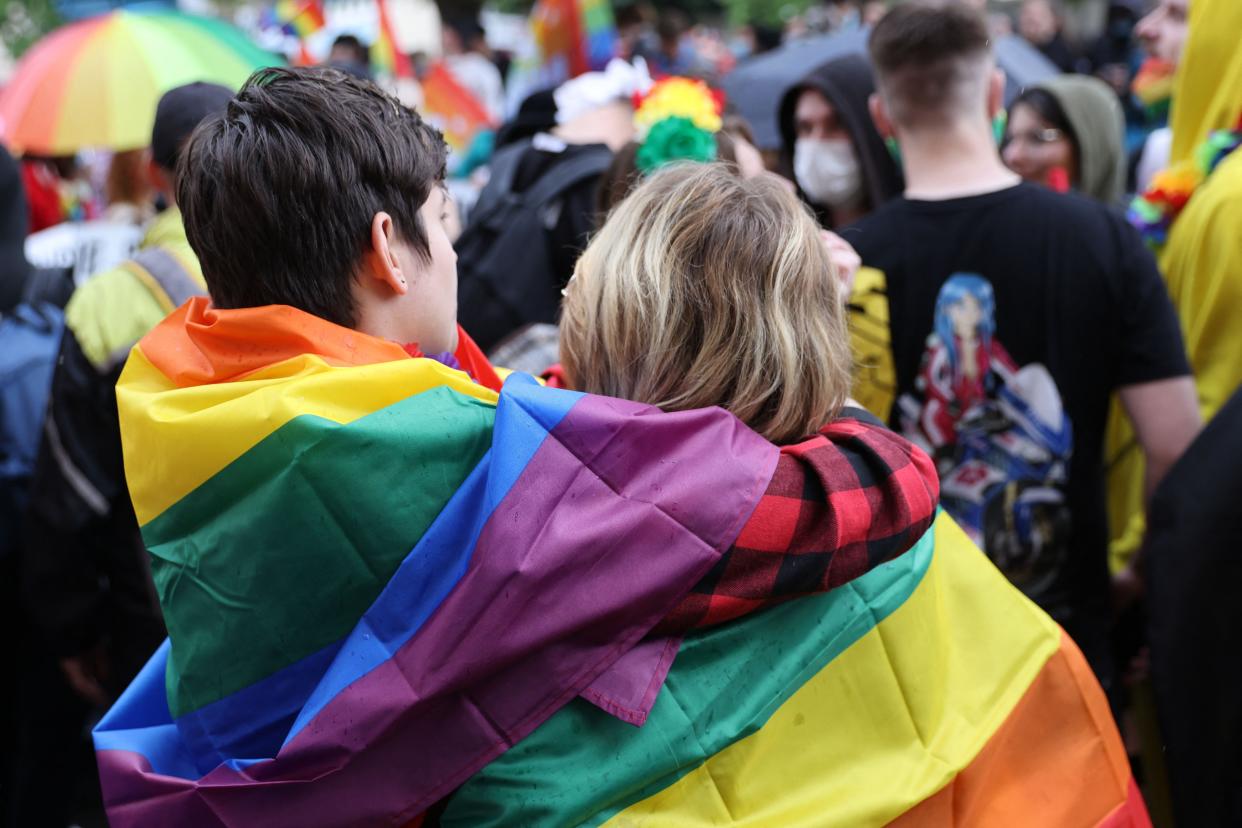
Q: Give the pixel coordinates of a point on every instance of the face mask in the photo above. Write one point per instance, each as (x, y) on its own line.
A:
(828, 172)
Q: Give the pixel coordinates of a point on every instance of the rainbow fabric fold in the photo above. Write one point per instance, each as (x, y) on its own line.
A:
(386, 584)
(377, 574)
(927, 692)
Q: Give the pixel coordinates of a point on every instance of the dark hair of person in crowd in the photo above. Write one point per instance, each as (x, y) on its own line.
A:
(623, 175)
(1045, 105)
(929, 62)
(1074, 123)
(278, 194)
(537, 113)
(349, 49)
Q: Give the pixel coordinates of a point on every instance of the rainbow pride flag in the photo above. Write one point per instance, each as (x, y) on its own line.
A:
(378, 574)
(386, 57)
(451, 107)
(387, 584)
(929, 692)
(579, 35)
(300, 18)
(568, 37)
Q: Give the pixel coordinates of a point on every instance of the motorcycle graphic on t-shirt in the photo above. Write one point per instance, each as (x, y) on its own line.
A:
(999, 435)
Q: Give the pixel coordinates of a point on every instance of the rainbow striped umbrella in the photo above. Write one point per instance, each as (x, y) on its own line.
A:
(95, 83)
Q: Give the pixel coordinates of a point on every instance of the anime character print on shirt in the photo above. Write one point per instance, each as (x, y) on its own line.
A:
(999, 435)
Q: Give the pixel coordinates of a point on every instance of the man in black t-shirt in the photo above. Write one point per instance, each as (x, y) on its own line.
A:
(1013, 313)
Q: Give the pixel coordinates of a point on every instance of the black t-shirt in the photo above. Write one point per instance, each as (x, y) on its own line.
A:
(1014, 315)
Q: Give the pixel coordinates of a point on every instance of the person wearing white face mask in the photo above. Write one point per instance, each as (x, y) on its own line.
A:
(831, 147)
(827, 171)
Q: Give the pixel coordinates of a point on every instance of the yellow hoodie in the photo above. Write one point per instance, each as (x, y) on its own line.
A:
(1202, 261)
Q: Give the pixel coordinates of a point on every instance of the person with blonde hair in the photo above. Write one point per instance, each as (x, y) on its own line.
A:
(924, 692)
(771, 348)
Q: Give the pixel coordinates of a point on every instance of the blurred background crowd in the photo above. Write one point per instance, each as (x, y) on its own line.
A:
(533, 98)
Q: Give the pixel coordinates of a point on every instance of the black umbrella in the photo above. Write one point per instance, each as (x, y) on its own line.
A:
(756, 87)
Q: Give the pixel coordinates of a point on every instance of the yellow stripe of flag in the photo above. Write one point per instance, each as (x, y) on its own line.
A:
(212, 425)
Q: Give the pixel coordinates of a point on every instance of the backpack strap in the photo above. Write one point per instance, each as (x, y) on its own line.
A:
(504, 165)
(165, 277)
(565, 175)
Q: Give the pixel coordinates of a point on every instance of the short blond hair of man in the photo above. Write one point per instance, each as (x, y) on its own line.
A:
(704, 289)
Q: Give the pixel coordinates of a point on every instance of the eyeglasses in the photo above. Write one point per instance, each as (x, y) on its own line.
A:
(1036, 137)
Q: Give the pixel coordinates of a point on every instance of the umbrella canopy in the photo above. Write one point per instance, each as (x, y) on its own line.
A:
(95, 83)
(756, 87)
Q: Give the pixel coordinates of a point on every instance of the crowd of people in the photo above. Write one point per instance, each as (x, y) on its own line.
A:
(274, 460)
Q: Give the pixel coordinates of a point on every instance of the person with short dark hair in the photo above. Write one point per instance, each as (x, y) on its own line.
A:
(328, 372)
(389, 163)
(351, 56)
(1013, 314)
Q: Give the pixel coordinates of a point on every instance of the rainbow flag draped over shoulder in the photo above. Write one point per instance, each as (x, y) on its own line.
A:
(386, 584)
(928, 692)
(378, 574)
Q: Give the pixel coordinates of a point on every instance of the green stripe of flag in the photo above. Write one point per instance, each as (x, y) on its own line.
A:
(317, 515)
(724, 685)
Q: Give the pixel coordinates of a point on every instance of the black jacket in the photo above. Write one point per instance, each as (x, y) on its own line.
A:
(13, 224)
(1194, 569)
(84, 573)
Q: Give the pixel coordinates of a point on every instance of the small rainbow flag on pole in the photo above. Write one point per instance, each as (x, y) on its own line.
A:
(300, 18)
(386, 56)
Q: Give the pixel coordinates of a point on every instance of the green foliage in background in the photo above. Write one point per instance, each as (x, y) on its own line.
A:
(734, 12)
(25, 22)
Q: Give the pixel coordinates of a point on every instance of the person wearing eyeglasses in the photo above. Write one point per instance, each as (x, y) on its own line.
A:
(1068, 132)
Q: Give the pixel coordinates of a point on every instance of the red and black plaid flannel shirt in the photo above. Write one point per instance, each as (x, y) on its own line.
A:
(839, 504)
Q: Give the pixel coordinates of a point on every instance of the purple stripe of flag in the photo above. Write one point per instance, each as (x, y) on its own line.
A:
(616, 516)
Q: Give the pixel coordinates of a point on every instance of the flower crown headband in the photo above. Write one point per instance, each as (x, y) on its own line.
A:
(677, 120)
(1154, 211)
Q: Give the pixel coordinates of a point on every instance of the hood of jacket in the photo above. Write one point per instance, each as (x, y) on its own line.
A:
(847, 83)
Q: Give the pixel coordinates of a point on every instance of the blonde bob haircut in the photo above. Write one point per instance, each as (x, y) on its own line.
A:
(704, 289)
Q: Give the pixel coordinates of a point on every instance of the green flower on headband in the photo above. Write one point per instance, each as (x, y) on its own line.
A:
(675, 139)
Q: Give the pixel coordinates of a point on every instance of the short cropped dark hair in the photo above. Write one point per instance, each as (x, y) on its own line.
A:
(279, 191)
(928, 59)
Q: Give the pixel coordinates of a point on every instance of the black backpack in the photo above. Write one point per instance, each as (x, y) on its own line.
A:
(504, 258)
